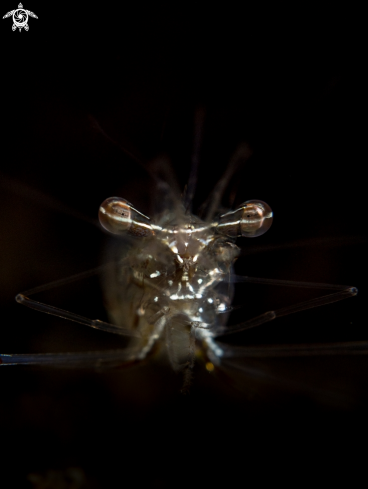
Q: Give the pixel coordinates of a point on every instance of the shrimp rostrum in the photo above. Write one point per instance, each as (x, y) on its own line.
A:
(170, 287)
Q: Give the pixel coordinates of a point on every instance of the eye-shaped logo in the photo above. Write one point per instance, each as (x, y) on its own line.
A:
(20, 17)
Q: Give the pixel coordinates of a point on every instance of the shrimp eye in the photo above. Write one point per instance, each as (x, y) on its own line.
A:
(256, 219)
(118, 216)
(251, 219)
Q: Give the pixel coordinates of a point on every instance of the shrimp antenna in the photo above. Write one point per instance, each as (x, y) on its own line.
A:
(210, 206)
(27, 191)
(193, 176)
(158, 169)
(96, 125)
(159, 181)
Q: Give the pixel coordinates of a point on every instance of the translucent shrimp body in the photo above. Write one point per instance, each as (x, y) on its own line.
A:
(169, 287)
(174, 277)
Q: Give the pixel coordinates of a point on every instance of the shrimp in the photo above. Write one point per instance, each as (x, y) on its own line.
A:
(170, 285)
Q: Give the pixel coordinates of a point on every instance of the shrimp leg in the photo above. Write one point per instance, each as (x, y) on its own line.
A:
(307, 350)
(343, 292)
(109, 358)
(55, 311)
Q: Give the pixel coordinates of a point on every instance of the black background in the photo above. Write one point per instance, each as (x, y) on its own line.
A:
(289, 83)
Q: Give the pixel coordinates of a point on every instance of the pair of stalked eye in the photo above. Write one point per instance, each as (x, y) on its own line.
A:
(251, 219)
(118, 216)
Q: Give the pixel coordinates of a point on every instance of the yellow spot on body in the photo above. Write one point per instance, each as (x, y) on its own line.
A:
(210, 367)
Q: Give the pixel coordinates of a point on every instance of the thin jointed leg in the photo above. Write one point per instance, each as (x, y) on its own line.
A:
(343, 293)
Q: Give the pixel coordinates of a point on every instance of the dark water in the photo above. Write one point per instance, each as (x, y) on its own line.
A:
(294, 95)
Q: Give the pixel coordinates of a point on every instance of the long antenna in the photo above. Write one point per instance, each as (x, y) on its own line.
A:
(193, 176)
(96, 125)
(242, 154)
